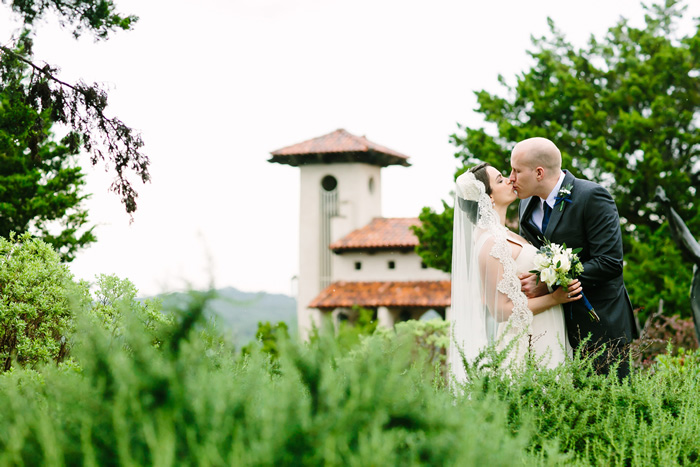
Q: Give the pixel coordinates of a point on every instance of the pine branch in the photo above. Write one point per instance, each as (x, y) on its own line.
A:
(82, 108)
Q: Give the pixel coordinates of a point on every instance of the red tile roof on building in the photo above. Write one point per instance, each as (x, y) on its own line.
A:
(423, 294)
(338, 146)
(385, 233)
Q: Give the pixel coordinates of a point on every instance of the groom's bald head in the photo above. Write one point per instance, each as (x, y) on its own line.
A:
(536, 164)
(539, 152)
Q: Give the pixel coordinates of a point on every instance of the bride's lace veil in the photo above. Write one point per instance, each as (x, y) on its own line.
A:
(485, 286)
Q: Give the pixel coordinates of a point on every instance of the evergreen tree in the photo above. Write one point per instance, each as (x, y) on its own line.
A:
(40, 184)
(79, 106)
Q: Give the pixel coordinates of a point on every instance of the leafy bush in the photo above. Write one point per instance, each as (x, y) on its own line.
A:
(428, 342)
(660, 334)
(650, 280)
(35, 311)
(268, 340)
(649, 419)
(682, 363)
(115, 302)
(181, 403)
(190, 401)
(39, 300)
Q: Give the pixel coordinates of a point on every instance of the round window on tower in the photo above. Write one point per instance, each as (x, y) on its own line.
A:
(329, 183)
(371, 185)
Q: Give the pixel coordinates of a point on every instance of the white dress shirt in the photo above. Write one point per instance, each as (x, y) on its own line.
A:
(538, 213)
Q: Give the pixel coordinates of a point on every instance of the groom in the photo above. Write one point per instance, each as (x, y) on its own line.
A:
(557, 206)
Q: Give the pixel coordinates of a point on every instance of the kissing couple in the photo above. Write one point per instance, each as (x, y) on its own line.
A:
(496, 296)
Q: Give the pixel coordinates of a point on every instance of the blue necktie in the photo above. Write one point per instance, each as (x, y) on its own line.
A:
(545, 219)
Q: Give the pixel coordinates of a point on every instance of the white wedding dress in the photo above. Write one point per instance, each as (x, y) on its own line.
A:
(546, 336)
(487, 304)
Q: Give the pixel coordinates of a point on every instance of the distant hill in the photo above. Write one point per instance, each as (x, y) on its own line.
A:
(240, 311)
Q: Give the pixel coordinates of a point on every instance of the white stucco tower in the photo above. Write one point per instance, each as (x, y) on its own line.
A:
(340, 191)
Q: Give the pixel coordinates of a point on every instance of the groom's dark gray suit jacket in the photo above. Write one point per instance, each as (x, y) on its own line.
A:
(591, 222)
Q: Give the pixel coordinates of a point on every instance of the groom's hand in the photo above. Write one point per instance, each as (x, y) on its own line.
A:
(530, 287)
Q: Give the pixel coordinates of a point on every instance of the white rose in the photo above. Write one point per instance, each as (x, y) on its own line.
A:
(548, 276)
(541, 262)
(561, 262)
(469, 187)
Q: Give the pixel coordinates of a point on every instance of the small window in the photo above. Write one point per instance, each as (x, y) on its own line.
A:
(371, 184)
(358, 265)
(423, 265)
(329, 183)
(392, 265)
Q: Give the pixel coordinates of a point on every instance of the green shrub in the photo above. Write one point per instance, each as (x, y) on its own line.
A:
(186, 403)
(39, 299)
(268, 339)
(651, 418)
(661, 334)
(35, 313)
(193, 401)
(655, 270)
(428, 342)
(115, 302)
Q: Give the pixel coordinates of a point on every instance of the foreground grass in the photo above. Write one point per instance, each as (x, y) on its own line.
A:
(193, 401)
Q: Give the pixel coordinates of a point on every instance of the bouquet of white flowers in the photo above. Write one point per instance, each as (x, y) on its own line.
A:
(557, 265)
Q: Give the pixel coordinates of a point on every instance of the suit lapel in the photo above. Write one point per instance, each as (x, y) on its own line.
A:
(560, 208)
(526, 220)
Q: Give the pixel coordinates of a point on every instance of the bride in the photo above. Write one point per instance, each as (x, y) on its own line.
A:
(488, 306)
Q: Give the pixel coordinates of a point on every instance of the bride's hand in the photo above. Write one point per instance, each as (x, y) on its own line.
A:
(570, 294)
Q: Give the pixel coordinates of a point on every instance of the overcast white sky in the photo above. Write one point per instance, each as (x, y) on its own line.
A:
(215, 85)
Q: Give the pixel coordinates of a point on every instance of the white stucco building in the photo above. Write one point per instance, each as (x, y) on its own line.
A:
(348, 253)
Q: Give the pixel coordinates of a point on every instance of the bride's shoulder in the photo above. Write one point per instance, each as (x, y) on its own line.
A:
(515, 238)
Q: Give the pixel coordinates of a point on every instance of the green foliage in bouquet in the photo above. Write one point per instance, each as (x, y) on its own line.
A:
(556, 264)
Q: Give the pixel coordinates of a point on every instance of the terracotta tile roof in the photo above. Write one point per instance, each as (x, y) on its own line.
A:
(338, 146)
(381, 233)
(390, 294)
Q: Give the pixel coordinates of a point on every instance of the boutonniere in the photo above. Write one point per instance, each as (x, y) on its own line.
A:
(564, 196)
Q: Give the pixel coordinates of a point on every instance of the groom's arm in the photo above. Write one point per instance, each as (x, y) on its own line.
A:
(602, 227)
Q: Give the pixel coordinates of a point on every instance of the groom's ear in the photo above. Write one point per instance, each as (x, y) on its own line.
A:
(539, 173)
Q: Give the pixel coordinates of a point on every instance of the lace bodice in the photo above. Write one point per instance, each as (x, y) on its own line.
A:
(509, 284)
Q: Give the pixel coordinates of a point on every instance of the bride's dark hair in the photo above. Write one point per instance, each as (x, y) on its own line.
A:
(472, 207)
(482, 175)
